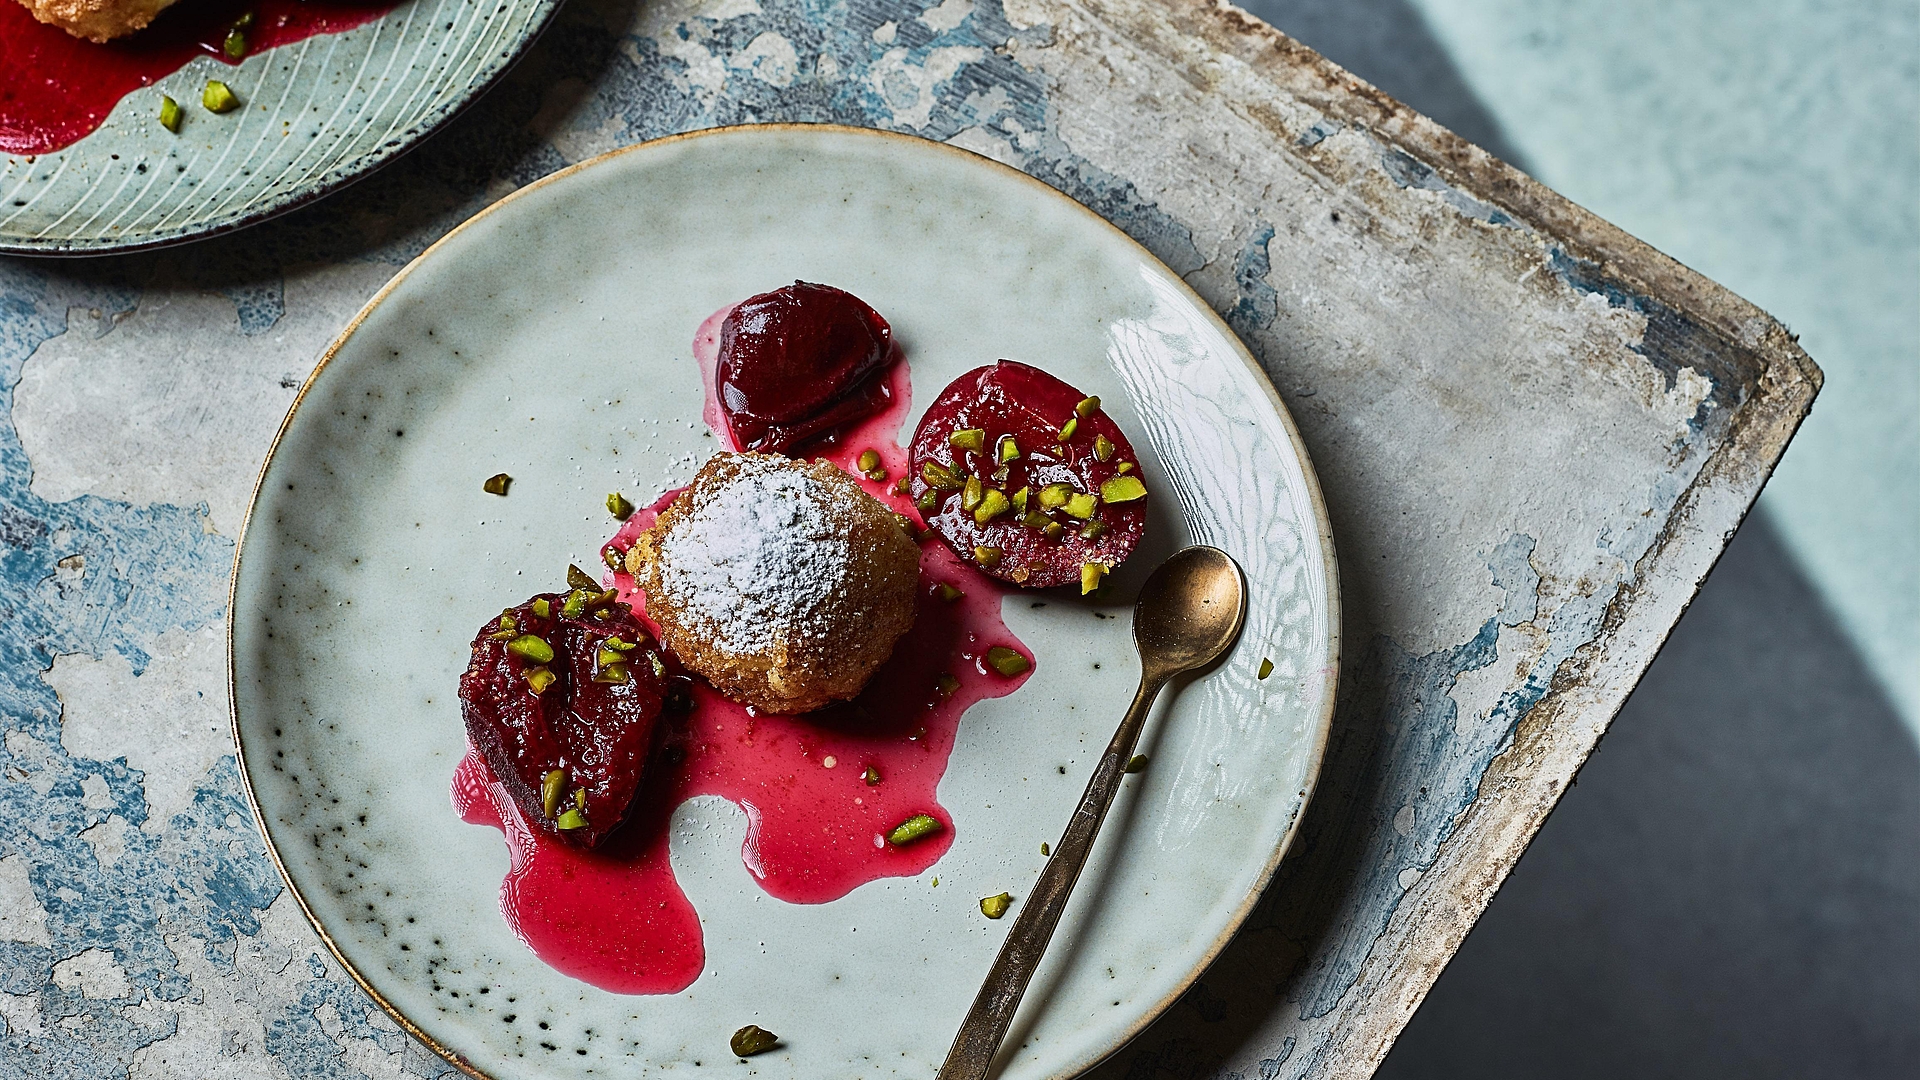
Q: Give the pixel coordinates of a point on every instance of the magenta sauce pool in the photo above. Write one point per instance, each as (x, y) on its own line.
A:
(816, 826)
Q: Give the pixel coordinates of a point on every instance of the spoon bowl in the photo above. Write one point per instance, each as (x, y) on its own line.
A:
(1190, 611)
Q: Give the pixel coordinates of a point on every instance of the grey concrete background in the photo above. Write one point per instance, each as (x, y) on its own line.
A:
(1733, 886)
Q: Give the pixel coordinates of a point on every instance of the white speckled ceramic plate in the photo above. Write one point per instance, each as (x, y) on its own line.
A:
(319, 114)
(549, 338)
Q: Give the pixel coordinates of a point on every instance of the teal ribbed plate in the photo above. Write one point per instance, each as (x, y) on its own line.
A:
(320, 114)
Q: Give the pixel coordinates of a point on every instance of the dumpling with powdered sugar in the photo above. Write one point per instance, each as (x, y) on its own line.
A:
(782, 582)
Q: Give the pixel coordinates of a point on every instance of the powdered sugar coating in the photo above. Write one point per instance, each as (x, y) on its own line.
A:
(781, 581)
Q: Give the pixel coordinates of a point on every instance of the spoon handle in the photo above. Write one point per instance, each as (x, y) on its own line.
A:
(986, 1023)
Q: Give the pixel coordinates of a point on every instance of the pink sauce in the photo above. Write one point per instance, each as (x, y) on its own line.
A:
(56, 89)
(616, 917)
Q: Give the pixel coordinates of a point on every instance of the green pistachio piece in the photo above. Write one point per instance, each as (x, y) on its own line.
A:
(245, 21)
(623, 646)
(1126, 467)
(939, 476)
(498, 482)
(945, 684)
(1093, 530)
(1020, 501)
(605, 655)
(1081, 505)
(618, 506)
(1036, 520)
(575, 605)
(871, 776)
(947, 592)
(1123, 489)
(580, 579)
(1006, 661)
(1008, 450)
(906, 523)
(902, 485)
(1000, 475)
(1044, 849)
(218, 97)
(1091, 575)
(580, 798)
(551, 787)
(1266, 668)
(538, 679)
(1067, 429)
(986, 556)
(1102, 448)
(1137, 763)
(928, 502)
(1055, 496)
(1086, 406)
(752, 1039)
(869, 460)
(1054, 530)
(995, 906)
(235, 45)
(974, 439)
(543, 608)
(993, 503)
(572, 818)
(971, 495)
(170, 119)
(917, 827)
(876, 475)
(532, 648)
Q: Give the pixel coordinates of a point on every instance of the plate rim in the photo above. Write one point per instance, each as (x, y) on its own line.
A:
(1323, 724)
(366, 165)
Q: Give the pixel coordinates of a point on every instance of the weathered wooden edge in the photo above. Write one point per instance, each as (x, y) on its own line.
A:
(1555, 738)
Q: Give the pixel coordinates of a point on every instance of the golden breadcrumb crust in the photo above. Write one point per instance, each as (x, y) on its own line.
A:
(97, 20)
(846, 636)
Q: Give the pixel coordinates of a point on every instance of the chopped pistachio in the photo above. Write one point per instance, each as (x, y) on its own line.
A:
(1266, 668)
(947, 592)
(1126, 467)
(1006, 661)
(993, 503)
(551, 787)
(1093, 530)
(974, 439)
(1054, 530)
(1055, 496)
(614, 558)
(604, 655)
(541, 607)
(1036, 520)
(618, 506)
(928, 502)
(1081, 505)
(1044, 849)
(986, 556)
(1067, 429)
(580, 798)
(170, 119)
(1102, 448)
(531, 647)
(1091, 575)
(871, 776)
(539, 678)
(971, 495)
(623, 646)
(939, 476)
(1020, 501)
(917, 827)
(570, 819)
(245, 21)
(497, 483)
(235, 45)
(574, 605)
(869, 460)
(508, 629)
(218, 97)
(1086, 406)
(945, 684)
(995, 906)
(1001, 474)
(876, 475)
(580, 579)
(902, 485)
(1123, 489)
(1008, 450)
(659, 665)
(602, 599)
(1137, 763)
(752, 1039)
(906, 523)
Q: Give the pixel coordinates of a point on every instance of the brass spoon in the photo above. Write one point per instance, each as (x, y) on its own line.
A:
(1188, 614)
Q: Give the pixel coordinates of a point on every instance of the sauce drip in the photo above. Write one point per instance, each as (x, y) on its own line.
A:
(616, 917)
(56, 89)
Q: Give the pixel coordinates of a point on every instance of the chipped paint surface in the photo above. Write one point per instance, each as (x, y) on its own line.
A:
(1533, 435)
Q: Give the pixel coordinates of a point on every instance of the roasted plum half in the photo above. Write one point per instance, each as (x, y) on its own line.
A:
(1027, 478)
(561, 698)
(798, 362)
